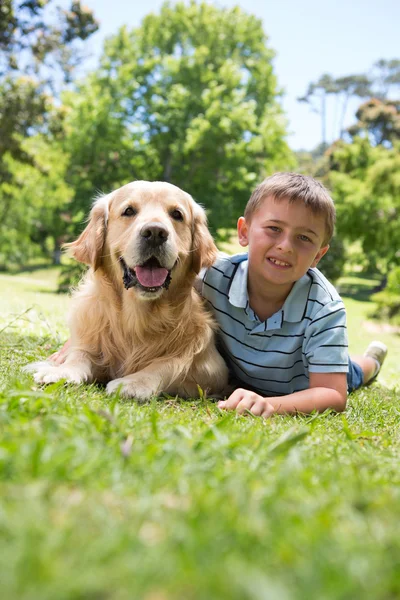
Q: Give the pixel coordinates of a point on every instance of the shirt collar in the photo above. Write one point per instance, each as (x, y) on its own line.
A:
(294, 306)
(238, 290)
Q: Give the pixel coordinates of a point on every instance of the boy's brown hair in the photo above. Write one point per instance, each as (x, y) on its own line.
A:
(295, 188)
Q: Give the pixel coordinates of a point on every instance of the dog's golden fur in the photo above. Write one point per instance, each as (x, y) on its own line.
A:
(142, 340)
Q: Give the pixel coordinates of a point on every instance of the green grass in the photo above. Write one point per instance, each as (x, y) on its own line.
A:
(363, 329)
(104, 499)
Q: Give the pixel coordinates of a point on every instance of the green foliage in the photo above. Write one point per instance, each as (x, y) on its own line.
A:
(313, 162)
(70, 275)
(332, 264)
(32, 203)
(38, 53)
(388, 300)
(366, 187)
(387, 306)
(393, 284)
(379, 120)
(189, 97)
(36, 41)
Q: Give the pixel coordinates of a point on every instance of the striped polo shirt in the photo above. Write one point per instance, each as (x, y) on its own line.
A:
(274, 357)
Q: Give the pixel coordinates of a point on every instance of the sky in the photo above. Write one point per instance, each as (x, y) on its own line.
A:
(310, 37)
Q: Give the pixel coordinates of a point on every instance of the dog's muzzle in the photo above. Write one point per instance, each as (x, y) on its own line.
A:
(151, 275)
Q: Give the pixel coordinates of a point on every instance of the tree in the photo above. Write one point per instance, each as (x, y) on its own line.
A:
(386, 77)
(343, 88)
(34, 201)
(332, 264)
(189, 97)
(351, 86)
(378, 85)
(366, 188)
(363, 174)
(379, 120)
(316, 97)
(33, 42)
(38, 54)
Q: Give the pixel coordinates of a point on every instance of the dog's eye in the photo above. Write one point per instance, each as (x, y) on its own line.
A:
(176, 215)
(129, 212)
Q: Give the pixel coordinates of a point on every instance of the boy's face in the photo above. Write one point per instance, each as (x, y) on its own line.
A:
(284, 239)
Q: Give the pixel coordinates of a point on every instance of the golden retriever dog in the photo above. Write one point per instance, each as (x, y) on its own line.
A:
(136, 320)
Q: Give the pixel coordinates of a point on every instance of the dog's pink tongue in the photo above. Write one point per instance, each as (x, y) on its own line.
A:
(151, 276)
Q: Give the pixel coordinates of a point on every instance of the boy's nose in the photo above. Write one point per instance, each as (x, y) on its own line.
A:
(285, 245)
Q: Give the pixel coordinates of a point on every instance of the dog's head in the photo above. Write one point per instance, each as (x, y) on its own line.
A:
(150, 234)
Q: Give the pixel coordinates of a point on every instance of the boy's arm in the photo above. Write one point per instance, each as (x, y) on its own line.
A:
(327, 390)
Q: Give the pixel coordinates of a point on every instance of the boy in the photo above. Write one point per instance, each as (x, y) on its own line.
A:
(282, 324)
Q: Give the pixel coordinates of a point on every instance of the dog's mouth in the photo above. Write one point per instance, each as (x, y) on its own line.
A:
(151, 276)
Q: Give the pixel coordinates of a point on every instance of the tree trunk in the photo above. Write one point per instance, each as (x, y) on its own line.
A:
(167, 168)
(57, 253)
(342, 118)
(323, 119)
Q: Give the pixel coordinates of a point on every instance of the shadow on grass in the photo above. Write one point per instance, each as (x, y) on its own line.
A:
(27, 268)
(51, 292)
(357, 287)
(49, 279)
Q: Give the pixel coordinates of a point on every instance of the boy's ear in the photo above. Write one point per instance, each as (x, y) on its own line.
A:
(320, 254)
(243, 231)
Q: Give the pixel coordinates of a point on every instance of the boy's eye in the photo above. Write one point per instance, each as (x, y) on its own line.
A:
(304, 238)
(274, 228)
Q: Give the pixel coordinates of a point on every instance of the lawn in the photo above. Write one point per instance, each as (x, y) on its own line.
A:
(103, 499)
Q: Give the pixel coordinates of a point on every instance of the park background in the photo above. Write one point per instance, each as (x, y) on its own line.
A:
(173, 499)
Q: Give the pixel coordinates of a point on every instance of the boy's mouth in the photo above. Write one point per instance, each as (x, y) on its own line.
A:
(279, 263)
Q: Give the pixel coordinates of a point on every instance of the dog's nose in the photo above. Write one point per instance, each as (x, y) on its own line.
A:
(154, 233)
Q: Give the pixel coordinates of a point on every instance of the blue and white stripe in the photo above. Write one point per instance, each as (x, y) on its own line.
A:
(275, 357)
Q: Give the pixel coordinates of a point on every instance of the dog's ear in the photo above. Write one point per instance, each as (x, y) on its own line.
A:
(88, 248)
(204, 248)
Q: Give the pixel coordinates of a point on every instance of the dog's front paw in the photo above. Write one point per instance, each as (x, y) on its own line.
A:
(140, 387)
(45, 372)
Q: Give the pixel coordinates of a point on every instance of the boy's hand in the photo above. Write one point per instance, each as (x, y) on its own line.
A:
(59, 357)
(245, 400)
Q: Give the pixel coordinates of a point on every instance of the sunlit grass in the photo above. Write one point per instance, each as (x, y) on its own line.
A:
(104, 499)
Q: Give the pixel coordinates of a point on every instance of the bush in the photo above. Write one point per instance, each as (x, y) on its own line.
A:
(70, 276)
(388, 300)
(332, 264)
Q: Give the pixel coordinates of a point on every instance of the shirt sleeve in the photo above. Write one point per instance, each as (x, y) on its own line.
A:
(201, 276)
(325, 344)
